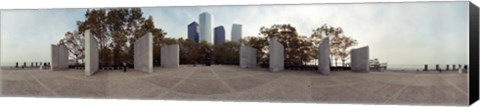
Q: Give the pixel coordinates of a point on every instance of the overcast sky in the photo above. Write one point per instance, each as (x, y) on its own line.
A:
(397, 33)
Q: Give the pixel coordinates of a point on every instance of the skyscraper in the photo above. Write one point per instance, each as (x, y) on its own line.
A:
(206, 31)
(219, 35)
(236, 32)
(193, 31)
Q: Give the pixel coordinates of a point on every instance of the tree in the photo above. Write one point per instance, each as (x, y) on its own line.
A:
(170, 41)
(298, 49)
(344, 51)
(296, 52)
(74, 42)
(259, 43)
(95, 22)
(227, 53)
(339, 43)
(189, 53)
(116, 31)
(203, 48)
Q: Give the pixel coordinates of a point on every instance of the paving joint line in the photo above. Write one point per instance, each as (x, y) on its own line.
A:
(43, 85)
(174, 86)
(183, 80)
(454, 86)
(221, 80)
(394, 97)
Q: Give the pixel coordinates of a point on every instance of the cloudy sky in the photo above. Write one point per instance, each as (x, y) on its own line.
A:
(397, 33)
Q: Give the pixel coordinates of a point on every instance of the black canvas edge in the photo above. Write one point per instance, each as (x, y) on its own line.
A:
(474, 54)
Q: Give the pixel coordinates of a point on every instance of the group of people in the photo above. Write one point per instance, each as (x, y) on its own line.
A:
(460, 68)
(42, 66)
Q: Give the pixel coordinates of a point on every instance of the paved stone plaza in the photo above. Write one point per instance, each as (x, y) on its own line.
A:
(232, 83)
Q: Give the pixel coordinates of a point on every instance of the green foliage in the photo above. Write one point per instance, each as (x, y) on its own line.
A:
(74, 43)
(116, 31)
(339, 43)
(169, 41)
(227, 53)
(259, 43)
(300, 49)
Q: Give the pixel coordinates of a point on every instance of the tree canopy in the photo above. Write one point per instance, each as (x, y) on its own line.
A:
(339, 42)
(116, 31)
(301, 49)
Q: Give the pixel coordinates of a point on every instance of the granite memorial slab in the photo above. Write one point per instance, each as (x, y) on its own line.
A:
(359, 59)
(59, 58)
(248, 57)
(91, 54)
(170, 56)
(324, 56)
(143, 53)
(276, 56)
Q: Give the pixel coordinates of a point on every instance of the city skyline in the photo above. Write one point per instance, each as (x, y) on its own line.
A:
(236, 32)
(205, 24)
(193, 31)
(219, 35)
(398, 33)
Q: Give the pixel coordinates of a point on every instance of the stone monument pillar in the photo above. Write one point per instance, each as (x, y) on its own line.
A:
(59, 58)
(170, 56)
(91, 54)
(323, 56)
(276, 55)
(143, 53)
(248, 56)
(359, 59)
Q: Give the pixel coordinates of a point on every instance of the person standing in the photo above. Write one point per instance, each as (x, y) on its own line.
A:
(124, 67)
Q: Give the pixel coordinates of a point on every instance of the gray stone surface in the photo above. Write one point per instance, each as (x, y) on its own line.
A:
(248, 57)
(91, 54)
(324, 56)
(59, 58)
(276, 55)
(359, 60)
(143, 53)
(170, 56)
(232, 83)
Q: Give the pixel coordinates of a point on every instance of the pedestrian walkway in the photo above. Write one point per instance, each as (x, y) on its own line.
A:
(232, 83)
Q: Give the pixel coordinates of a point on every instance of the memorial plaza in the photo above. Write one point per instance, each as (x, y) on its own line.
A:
(233, 83)
(244, 82)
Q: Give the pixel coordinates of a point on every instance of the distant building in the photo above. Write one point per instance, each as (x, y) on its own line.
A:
(236, 32)
(219, 35)
(205, 27)
(193, 31)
